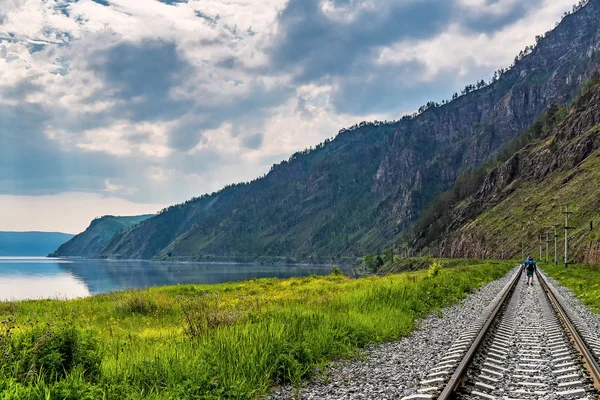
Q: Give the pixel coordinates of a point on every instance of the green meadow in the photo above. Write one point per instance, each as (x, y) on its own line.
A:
(226, 341)
(582, 279)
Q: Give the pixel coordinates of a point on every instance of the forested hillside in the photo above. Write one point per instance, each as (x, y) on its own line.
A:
(100, 231)
(525, 196)
(362, 190)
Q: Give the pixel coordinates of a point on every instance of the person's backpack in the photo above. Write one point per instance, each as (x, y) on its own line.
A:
(529, 265)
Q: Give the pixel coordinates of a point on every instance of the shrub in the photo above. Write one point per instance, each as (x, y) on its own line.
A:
(203, 313)
(50, 353)
(8, 308)
(434, 269)
(136, 304)
(336, 271)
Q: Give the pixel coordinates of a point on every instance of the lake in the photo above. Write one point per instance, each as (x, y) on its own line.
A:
(38, 277)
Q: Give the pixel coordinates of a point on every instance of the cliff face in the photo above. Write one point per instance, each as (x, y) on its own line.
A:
(522, 198)
(428, 153)
(360, 191)
(100, 231)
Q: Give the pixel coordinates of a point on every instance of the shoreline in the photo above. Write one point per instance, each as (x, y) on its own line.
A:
(207, 262)
(236, 340)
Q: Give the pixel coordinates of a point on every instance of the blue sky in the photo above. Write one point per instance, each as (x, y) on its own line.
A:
(124, 106)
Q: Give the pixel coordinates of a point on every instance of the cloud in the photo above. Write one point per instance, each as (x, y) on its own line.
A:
(69, 212)
(254, 141)
(340, 43)
(155, 102)
(140, 76)
(318, 41)
(172, 2)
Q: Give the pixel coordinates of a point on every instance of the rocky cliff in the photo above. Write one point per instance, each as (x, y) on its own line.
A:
(428, 153)
(525, 196)
(360, 191)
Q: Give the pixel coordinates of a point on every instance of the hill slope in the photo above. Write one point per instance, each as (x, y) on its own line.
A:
(100, 231)
(525, 196)
(30, 244)
(360, 191)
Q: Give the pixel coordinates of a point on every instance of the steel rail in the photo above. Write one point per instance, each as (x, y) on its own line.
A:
(465, 363)
(590, 363)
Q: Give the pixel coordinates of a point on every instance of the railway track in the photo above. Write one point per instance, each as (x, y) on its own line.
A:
(528, 345)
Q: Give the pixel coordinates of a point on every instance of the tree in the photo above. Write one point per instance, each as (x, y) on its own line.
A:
(551, 116)
(370, 262)
(388, 255)
(380, 263)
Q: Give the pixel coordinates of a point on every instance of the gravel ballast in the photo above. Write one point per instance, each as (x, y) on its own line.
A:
(586, 317)
(394, 370)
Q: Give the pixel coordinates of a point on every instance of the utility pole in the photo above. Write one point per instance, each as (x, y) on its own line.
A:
(540, 259)
(555, 243)
(501, 239)
(567, 227)
(547, 244)
(522, 250)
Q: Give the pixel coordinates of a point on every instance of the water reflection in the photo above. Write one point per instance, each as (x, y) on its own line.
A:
(41, 287)
(32, 278)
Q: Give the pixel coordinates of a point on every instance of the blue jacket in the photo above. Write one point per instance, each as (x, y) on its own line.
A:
(530, 265)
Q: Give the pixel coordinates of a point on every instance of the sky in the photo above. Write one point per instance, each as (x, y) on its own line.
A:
(122, 107)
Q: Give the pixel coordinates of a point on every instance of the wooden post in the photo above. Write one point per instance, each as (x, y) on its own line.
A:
(555, 243)
(522, 250)
(547, 244)
(567, 227)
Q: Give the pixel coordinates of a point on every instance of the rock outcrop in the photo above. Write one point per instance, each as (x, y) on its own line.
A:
(561, 169)
(441, 144)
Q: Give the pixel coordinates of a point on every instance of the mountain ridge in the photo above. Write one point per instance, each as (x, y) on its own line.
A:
(30, 243)
(523, 197)
(89, 242)
(362, 190)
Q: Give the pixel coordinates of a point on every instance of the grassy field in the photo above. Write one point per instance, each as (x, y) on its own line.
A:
(226, 341)
(583, 280)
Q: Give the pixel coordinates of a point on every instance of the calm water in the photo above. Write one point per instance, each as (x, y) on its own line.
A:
(38, 277)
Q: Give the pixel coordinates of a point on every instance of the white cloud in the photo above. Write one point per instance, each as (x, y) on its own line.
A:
(460, 47)
(123, 138)
(192, 137)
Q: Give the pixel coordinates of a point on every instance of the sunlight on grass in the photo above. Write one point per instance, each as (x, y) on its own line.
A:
(583, 280)
(226, 341)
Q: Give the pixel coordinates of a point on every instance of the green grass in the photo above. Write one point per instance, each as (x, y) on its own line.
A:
(401, 264)
(583, 280)
(226, 341)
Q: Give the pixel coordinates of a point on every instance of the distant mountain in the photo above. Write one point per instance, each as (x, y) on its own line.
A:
(523, 197)
(30, 243)
(363, 190)
(100, 231)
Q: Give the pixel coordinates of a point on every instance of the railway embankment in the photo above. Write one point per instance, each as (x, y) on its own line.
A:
(506, 339)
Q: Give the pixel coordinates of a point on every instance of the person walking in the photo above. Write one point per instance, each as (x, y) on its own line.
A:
(530, 267)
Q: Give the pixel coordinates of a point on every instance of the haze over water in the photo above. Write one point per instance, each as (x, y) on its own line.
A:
(38, 277)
